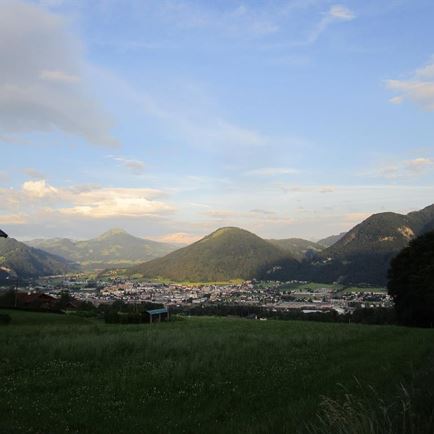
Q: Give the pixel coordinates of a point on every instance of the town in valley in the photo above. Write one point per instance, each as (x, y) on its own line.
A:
(274, 296)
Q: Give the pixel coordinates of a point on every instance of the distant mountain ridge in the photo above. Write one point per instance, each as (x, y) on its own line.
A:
(226, 254)
(113, 249)
(332, 239)
(17, 260)
(298, 248)
(363, 254)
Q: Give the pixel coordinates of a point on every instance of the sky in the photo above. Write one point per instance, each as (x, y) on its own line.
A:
(172, 118)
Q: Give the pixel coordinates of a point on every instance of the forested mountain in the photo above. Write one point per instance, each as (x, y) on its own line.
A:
(19, 260)
(363, 254)
(298, 248)
(114, 248)
(332, 239)
(228, 253)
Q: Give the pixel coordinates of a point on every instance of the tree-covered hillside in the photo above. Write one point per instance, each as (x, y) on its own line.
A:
(363, 254)
(114, 248)
(19, 260)
(329, 241)
(297, 247)
(228, 253)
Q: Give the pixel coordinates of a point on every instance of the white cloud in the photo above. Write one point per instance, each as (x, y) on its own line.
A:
(244, 20)
(210, 131)
(356, 217)
(220, 214)
(51, 3)
(114, 202)
(4, 176)
(135, 166)
(402, 169)
(396, 100)
(419, 88)
(59, 76)
(272, 171)
(341, 13)
(33, 173)
(38, 189)
(13, 219)
(92, 202)
(427, 71)
(187, 115)
(419, 164)
(41, 88)
(179, 238)
(336, 14)
(327, 189)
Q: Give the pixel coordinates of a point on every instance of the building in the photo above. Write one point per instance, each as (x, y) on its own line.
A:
(158, 315)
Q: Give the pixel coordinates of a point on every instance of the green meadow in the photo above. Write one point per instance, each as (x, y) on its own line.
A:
(63, 373)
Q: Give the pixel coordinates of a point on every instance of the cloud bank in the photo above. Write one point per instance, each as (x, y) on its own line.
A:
(419, 88)
(42, 84)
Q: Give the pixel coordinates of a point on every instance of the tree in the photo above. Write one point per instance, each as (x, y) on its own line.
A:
(64, 300)
(411, 282)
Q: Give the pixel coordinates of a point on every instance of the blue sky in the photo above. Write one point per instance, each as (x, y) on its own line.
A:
(173, 118)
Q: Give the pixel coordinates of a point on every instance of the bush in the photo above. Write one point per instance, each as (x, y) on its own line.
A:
(5, 319)
(124, 318)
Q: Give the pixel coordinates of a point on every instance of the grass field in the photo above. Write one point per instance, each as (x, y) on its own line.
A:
(61, 373)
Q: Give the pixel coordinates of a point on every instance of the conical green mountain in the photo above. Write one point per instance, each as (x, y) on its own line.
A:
(228, 253)
(19, 260)
(114, 248)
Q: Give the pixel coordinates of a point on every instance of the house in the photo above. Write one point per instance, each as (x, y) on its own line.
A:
(158, 315)
(3, 234)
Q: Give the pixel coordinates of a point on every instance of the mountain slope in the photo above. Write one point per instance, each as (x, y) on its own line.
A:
(363, 254)
(228, 253)
(297, 247)
(332, 239)
(114, 248)
(18, 259)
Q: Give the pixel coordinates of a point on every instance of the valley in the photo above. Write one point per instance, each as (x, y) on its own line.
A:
(268, 297)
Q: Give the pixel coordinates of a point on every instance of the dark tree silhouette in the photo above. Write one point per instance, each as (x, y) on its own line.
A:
(411, 282)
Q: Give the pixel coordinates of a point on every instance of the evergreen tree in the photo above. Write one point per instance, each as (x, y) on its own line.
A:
(411, 282)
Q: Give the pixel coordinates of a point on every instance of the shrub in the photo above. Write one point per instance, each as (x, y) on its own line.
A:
(4, 319)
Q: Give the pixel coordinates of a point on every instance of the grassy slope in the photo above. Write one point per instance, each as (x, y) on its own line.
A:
(60, 373)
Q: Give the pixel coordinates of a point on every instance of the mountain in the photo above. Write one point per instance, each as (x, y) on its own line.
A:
(329, 241)
(113, 249)
(297, 247)
(363, 254)
(19, 260)
(228, 253)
